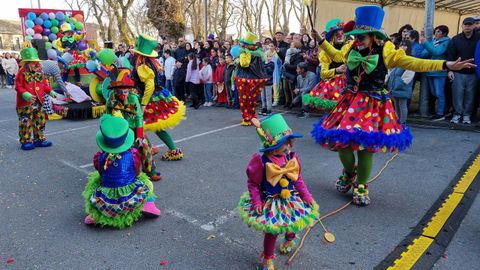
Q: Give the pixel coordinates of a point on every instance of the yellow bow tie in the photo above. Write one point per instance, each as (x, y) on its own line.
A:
(274, 172)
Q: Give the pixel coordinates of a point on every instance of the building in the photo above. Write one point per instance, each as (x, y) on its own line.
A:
(10, 35)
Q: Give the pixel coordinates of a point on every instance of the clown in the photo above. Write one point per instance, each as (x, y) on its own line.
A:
(117, 194)
(251, 77)
(364, 119)
(68, 42)
(122, 101)
(68, 46)
(327, 92)
(277, 201)
(161, 109)
(31, 86)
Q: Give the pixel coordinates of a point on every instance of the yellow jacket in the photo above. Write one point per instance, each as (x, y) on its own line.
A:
(391, 57)
(326, 72)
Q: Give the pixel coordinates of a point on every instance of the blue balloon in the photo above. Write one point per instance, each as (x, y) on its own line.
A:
(47, 24)
(31, 16)
(73, 26)
(235, 51)
(60, 16)
(91, 65)
(44, 16)
(29, 24)
(52, 37)
(38, 21)
(46, 31)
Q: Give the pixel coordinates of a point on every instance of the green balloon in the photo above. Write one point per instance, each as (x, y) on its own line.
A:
(48, 45)
(54, 29)
(72, 20)
(79, 26)
(106, 56)
(54, 22)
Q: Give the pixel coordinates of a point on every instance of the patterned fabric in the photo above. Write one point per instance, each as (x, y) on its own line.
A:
(162, 106)
(146, 156)
(31, 118)
(33, 76)
(363, 121)
(326, 93)
(248, 90)
(278, 215)
(47, 105)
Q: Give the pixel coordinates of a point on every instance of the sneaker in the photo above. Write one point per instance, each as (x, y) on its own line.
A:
(155, 177)
(268, 112)
(303, 114)
(274, 104)
(466, 120)
(437, 117)
(43, 143)
(264, 111)
(150, 210)
(287, 246)
(205, 104)
(455, 119)
(210, 104)
(28, 146)
(54, 116)
(89, 220)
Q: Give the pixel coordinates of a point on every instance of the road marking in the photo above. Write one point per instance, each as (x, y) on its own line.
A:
(5, 120)
(73, 166)
(69, 130)
(210, 226)
(419, 245)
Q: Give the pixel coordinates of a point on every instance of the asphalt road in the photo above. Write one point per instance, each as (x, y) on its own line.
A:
(41, 207)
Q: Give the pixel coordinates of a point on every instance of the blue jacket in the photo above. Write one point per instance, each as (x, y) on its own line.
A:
(417, 49)
(397, 86)
(437, 50)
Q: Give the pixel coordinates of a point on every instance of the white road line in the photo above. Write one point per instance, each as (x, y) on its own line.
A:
(73, 166)
(182, 216)
(69, 130)
(86, 165)
(210, 226)
(5, 120)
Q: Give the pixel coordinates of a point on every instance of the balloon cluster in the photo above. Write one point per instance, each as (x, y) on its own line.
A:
(46, 26)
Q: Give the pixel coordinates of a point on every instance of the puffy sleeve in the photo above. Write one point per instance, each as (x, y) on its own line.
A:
(19, 83)
(147, 76)
(96, 160)
(335, 55)
(255, 170)
(397, 58)
(300, 185)
(136, 160)
(326, 72)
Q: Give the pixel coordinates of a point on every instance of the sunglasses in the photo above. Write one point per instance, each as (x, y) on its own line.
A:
(362, 37)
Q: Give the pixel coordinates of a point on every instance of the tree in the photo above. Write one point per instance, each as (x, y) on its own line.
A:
(121, 10)
(166, 17)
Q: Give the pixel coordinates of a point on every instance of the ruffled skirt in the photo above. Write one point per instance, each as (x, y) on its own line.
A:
(326, 94)
(163, 113)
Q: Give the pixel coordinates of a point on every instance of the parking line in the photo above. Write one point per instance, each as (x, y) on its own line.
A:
(69, 130)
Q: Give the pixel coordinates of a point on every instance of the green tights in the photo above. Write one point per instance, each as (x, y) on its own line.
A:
(166, 139)
(364, 167)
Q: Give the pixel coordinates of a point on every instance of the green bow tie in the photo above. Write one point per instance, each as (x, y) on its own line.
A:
(369, 62)
(69, 39)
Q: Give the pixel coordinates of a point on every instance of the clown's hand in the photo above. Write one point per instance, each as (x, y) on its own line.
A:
(139, 142)
(53, 94)
(459, 65)
(258, 209)
(316, 35)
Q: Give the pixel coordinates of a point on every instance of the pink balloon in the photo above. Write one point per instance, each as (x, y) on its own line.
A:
(37, 36)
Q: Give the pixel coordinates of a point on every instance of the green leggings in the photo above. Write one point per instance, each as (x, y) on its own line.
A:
(364, 167)
(166, 139)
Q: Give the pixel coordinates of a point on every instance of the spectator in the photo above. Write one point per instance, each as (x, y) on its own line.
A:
(303, 30)
(396, 38)
(206, 79)
(417, 49)
(400, 83)
(11, 68)
(218, 80)
(306, 39)
(281, 45)
(169, 67)
(306, 80)
(266, 94)
(311, 56)
(193, 80)
(437, 48)
(213, 59)
(227, 45)
(199, 50)
(208, 46)
(3, 75)
(216, 45)
(277, 73)
(464, 82)
(179, 76)
(228, 76)
(404, 31)
(182, 52)
(292, 59)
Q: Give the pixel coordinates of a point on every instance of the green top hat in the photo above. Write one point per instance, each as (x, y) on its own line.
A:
(115, 136)
(146, 46)
(333, 26)
(249, 39)
(29, 55)
(274, 131)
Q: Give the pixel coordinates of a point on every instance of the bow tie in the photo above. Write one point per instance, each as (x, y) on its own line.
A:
(69, 39)
(369, 62)
(274, 172)
(31, 76)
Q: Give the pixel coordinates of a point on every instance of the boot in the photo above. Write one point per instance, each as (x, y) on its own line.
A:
(345, 181)
(360, 195)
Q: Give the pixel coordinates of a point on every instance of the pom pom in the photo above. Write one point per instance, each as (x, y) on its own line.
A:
(285, 194)
(283, 182)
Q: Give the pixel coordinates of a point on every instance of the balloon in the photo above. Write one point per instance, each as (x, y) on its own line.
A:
(38, 21)
(82, 45)
(31, 16)
(46, 31)
(38, 29)
(54, 22)
(44, 16)
(51, 53)
(51, 15)
(91, 65)
(60, 16)
(37, 36)
(28, 38)
(47, 23)
(73, 26)
(52, 37)
(29, 31)
(54, 29)
(78, 17)
(29, 24)
(235, 51)
(73, 20)
(59, 35)
(48, 45)
(79, 25)
(106, 56)
(45, 38)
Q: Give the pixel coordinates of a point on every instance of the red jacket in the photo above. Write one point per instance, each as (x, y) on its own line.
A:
(218, 74)
(35, 88)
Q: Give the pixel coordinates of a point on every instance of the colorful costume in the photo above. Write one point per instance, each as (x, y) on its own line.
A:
(118, 193)
(126, 104)
(250, 78)
(325, 95)
(364, 120)
(162, 109)
(31, 86)
(277, 200)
